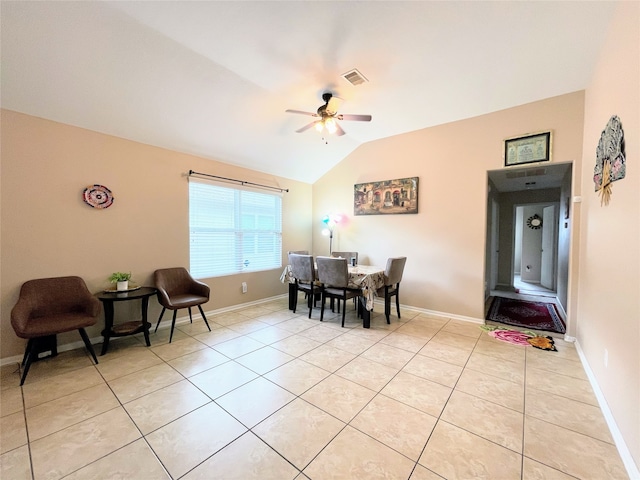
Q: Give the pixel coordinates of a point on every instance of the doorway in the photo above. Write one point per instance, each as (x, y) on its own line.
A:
(527, 234)
(535, 249)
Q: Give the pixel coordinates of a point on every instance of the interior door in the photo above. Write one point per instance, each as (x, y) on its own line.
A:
(547, 266)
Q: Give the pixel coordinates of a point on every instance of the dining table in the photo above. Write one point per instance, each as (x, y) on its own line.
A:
(367, 278)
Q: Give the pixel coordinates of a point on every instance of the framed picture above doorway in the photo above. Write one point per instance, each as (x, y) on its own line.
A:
(527, 149)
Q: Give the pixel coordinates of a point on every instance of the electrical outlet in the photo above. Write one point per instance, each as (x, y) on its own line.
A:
(606, 358)
(244, 287)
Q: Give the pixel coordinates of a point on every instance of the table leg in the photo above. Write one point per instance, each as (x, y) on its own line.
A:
(145, 324)
(292, 295)
(366, 314)
(108, 325)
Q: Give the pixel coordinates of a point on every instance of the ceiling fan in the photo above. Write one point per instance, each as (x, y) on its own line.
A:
(328, 114)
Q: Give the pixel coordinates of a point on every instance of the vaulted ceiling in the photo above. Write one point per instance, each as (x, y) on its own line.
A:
(214, 78)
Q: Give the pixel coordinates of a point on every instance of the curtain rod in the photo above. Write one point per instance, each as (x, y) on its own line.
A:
(191, 172)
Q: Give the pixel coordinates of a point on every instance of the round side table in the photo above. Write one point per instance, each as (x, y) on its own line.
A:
(128, 328)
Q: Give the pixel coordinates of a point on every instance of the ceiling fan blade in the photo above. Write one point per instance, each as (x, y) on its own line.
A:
(332, 105)
(307, 127)
(302, 113)
(355, 118)
(339, 131)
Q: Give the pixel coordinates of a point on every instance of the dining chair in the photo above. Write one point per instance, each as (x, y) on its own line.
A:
(392, 277)
(347, 255)
(304, 273)
(49, 306)
(333, 274)
(300, 252)
(177, 289)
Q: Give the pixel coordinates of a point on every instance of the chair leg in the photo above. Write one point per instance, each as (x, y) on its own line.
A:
(190, 317)
(87, 343)
(311, 295)
(159, 319)
(398, 302)
(322, 299)
(344, 310)
(173, 324)
(203, 317)
(29, 353)
(26, 352)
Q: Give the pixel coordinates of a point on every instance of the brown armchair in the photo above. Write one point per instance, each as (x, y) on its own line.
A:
(49, 306)
(177, 289)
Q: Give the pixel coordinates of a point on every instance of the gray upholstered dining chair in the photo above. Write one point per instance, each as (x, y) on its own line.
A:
(304, 272)
(178, 289)
(298, 252)
(49, 306)
(392, 277)
(347, 255)
(333, 274)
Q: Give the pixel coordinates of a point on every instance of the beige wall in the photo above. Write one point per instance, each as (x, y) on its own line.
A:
(609, 266)
(47, 230)
(445, 241)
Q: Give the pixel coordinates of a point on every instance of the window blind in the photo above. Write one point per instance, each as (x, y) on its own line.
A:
(233, 230)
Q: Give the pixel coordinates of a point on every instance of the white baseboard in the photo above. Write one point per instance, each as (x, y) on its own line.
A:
(433, 313)
(185, 319)
(179, 321)
(623, 450)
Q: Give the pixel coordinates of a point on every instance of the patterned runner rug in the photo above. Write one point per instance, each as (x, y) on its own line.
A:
(521, 313)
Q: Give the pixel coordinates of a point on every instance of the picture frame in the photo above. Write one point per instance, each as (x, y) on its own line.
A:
(386, 197)
(532, 148)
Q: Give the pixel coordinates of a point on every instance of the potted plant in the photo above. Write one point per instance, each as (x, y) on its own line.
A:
(121, 279)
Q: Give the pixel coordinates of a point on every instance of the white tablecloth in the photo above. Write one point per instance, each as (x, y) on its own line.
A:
(367, 278)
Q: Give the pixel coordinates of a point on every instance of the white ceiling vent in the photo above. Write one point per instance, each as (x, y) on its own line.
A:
(536, 172)
(531, 172)
(354, 77)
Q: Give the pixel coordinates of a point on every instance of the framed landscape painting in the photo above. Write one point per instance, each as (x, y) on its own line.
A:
(387, 197)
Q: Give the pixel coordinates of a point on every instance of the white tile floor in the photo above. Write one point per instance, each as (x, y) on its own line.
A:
(269, 394)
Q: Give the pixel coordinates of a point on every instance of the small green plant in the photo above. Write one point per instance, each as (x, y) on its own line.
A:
(120, 277)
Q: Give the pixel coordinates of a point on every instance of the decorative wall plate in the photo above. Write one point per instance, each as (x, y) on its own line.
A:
(97, 196)
(534, 222)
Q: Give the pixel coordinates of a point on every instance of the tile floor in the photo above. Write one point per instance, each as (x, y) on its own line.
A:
(269, 394)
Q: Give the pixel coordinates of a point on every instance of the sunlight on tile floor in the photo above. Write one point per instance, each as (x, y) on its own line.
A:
(269, 394)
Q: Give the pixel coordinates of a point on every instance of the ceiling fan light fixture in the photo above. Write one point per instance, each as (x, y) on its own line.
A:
(330, 125)
(327, 116)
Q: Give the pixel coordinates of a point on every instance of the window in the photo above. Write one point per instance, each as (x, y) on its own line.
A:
(232, 230)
